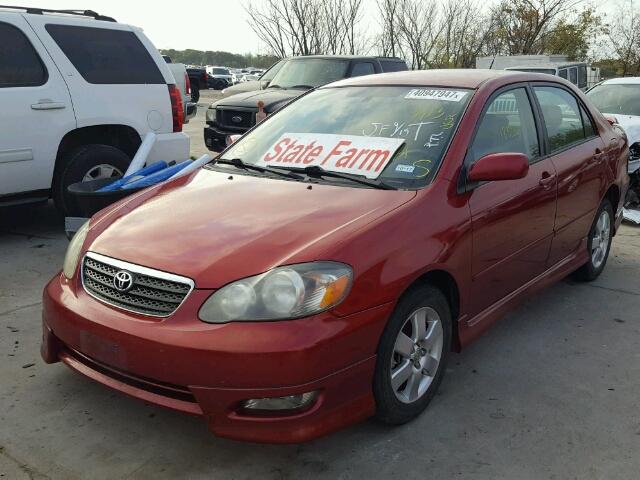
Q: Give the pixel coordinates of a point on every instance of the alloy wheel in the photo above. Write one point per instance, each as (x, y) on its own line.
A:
(600, 239)
(417, 354)
(102, 171)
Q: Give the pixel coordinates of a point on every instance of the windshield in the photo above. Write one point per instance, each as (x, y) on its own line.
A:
(311, 72)
(616, 98)
(352, 123)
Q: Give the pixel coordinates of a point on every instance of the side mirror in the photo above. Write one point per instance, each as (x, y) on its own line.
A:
(499, 166)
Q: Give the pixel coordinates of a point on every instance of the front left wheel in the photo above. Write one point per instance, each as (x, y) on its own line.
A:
(412, 355)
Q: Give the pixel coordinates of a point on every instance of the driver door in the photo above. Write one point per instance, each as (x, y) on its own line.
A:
(512, 220)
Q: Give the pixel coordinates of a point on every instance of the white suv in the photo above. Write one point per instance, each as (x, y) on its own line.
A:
(78, 92)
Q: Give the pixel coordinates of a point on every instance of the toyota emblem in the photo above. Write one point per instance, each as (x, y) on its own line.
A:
(236, 119)
(123, 281)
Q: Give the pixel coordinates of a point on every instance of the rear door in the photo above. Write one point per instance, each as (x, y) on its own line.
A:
(113, 72)
(577, 152)
(512, 220)
(36, 110)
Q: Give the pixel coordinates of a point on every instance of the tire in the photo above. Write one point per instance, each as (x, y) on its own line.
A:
(603, 220)
(84, 163)
(195, 93)
(394, 402)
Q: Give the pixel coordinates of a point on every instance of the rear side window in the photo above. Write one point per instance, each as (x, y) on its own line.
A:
(562, 117)
(507, 126)
(563, 73)
(105, 56)
(20, 65)
(393, 66)
(589, 128)
(573, 75)
(362, 68)
(582, 76)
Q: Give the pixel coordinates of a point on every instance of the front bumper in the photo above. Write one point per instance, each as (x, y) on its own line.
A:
(215, 138)
(208, 370)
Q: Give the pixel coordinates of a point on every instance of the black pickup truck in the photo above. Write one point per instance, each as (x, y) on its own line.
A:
(199, 81)
(236, 114)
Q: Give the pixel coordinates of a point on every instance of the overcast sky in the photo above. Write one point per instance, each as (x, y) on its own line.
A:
(199, 24)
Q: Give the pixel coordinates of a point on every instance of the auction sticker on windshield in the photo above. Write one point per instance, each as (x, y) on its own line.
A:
(435, 94)
(367, 156)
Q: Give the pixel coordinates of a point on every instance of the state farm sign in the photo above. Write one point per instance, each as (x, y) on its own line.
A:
(337, 153)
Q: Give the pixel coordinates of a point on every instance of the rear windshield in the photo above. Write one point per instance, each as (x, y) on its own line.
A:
(419, 121)
(105, 56)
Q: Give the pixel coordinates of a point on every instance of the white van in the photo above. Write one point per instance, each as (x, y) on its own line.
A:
(78, 92)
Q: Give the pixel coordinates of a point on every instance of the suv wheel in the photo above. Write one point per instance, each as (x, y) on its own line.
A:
(90, 162)
(412, 355)
(598, 243)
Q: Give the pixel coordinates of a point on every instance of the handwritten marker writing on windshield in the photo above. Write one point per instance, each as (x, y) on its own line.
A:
(261, 115)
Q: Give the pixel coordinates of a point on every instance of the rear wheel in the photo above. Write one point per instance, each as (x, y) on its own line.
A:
(90, 162)
(412, 355)
(598, 243)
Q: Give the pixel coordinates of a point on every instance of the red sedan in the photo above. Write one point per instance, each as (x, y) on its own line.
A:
(321, 270)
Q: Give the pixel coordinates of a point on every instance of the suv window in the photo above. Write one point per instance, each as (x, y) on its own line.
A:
(362, 68)
(20, 65)
(563, 73)
(507, 126)
(561, 115)
(105, 56)
(573, 75)
(392, 65)
(582, 76)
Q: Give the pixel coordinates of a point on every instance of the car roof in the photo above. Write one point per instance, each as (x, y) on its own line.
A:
(462, 78)
(622, 80)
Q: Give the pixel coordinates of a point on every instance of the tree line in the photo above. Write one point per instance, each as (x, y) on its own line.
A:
(227, 59)
(451, 33)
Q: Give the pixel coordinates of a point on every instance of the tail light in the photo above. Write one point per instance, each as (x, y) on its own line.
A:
(187, 85)
(177, 110)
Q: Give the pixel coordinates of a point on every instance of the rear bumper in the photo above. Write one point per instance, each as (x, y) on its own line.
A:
(170, 147)
(209, 370)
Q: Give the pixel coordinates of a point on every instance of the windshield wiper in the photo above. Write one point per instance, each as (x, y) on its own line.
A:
(238, 163)
(308, 87)
(316, 171)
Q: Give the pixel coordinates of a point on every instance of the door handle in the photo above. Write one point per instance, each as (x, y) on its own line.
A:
(597, 157)
(47, 105)
(547, 180)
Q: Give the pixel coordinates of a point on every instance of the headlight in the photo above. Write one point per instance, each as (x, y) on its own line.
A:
(73, 251)
(282, 293)
(211, 114)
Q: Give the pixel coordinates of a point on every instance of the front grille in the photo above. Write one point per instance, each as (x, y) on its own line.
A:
(243, 119)
(151, 292)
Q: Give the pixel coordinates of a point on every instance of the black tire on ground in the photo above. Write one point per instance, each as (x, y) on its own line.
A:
(77, 164)
(389, 409)
(195, 93)
(589, 271)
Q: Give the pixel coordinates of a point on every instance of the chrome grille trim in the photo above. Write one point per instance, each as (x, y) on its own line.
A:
(154, 293)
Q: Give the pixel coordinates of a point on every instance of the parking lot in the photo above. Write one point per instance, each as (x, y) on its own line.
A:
(550, 392)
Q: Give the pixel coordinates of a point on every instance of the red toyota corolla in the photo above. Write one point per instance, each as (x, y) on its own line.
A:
(320, 271)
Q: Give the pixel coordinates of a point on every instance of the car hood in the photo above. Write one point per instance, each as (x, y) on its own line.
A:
(250, 86)
(273, 99)
(216, 228)
(630, 124)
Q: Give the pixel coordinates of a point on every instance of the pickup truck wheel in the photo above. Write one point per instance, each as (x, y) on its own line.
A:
(412, 355)
(195, 93)
(598, 243)
(90, 162)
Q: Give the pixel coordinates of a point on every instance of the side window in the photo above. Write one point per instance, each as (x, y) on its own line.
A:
(362, 68)
(589, 128)
(562, 117)
(582, 76)
(20, 65)
(563, 73)
(507, 126)
(106, 56)
(573, 75)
